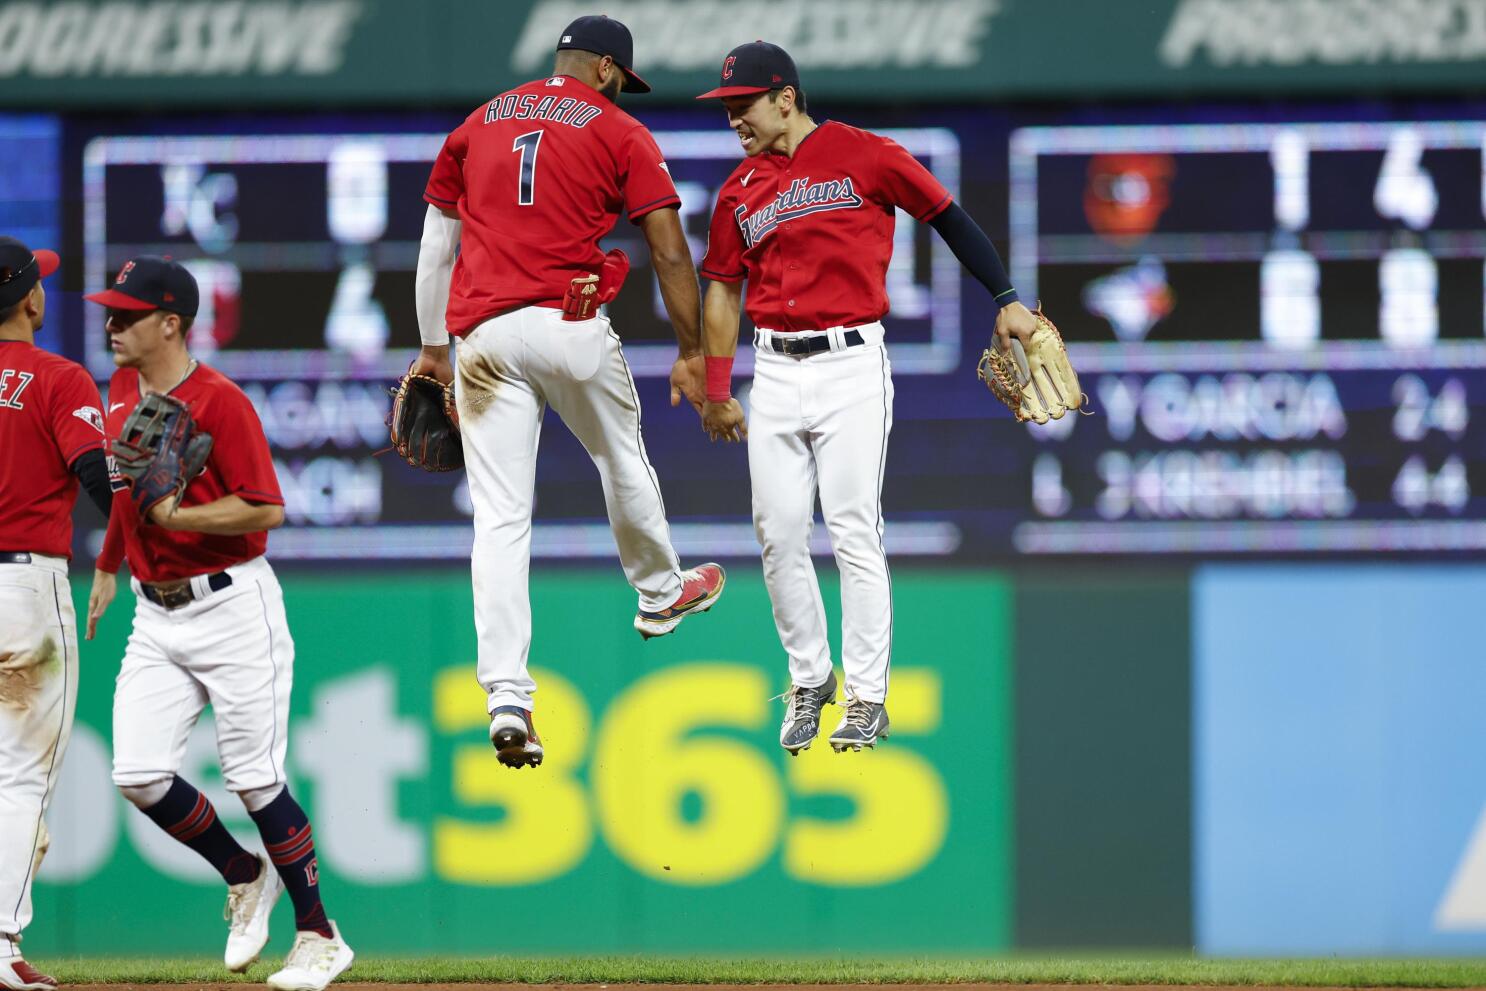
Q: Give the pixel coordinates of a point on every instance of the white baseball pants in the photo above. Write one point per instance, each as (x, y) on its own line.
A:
(509, 369)
(231, 648)
(38, 694)
(821, 422)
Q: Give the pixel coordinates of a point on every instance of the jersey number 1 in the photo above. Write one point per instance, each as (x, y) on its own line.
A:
(527, 144)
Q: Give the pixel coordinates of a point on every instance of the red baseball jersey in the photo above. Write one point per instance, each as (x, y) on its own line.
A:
(538, 176)
(813, 234)
(50, 414)
(240, 464)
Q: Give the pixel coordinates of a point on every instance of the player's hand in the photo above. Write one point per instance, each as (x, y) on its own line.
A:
(724, 421)
(434, 361)
(689, 379)
(104, 587)
(1014, 320)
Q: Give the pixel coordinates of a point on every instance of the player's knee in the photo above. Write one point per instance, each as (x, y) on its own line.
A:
(258, 798)
(145, 794)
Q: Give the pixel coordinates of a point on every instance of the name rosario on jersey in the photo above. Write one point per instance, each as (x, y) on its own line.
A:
(574, 113)
(801, 198)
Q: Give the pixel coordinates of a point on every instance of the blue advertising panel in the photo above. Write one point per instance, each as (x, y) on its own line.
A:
(30, 189)
(1337, 748)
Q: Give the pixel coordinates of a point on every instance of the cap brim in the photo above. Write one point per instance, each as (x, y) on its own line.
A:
(47, 262)
(721, 91)
(116, 300)
(632, 81)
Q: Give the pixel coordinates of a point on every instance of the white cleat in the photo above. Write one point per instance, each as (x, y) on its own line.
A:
(313, 962)
(248, 909)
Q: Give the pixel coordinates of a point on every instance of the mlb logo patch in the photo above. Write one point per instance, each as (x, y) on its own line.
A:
(556, 81)
(566, 38)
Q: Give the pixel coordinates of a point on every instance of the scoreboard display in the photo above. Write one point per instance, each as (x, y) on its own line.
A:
(1281, 326)
(305, 248)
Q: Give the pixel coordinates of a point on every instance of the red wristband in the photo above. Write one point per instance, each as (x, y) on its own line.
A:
(719, 378)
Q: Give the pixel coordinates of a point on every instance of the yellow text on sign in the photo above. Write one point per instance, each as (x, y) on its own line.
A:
(681, 790)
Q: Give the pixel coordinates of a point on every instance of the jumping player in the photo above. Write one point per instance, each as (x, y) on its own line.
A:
(51, 436)
(209, 626)
(807, 219)
(525, 188)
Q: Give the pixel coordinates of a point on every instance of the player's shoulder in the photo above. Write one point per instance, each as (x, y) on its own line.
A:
(209, 381)
(835, 132)
(616, 124)
(51, 363)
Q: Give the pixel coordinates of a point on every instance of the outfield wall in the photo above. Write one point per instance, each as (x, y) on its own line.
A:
(1248, 759)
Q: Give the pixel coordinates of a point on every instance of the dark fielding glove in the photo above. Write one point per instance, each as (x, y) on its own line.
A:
(424, 430)
(159, 451)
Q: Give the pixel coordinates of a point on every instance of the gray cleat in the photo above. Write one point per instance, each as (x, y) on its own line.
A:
(802, 714)
(862, 726)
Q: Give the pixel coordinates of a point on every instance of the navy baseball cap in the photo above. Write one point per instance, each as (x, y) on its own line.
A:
(605, 36)
(150, 282)
(21, 268)
(756, 67)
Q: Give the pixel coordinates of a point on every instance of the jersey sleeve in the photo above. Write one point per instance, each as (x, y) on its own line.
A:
(240, 454)
(902, 181)
(724, 259)
(446, 181)
(76, 414)
(646, 179)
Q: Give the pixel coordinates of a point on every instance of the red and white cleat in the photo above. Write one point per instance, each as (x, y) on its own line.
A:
(700, 587)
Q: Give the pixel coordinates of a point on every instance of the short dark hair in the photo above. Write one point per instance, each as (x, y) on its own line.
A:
(799, 98)
(8, 313)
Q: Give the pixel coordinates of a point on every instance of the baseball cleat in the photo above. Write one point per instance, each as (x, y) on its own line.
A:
(700, 587)
(862, 726)
(514, 737)
(313, 962)
(18, 975)
(249, 906)
(802, 714)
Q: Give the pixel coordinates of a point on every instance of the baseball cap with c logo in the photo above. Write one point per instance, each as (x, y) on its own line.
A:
(756, 67)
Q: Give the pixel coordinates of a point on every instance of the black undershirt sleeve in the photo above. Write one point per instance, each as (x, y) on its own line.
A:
(91, 468)
(975, 251)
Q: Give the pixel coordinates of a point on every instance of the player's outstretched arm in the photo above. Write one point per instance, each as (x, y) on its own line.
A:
(677, 274)
(722, 417)
(436, 252)
(229, 516)
(979, 256)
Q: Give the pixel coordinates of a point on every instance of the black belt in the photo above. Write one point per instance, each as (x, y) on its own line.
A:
(173, 595)
(15, 557)
(794, 344)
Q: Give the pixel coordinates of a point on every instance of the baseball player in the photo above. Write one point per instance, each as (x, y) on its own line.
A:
(807, 220)
(51, 436)
(525, 188)
(209, 626)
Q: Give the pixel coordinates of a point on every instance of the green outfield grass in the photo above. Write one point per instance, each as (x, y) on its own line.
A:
(1080, 969)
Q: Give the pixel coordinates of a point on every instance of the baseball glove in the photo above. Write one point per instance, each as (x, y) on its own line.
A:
(1036, 382)
(159, 450)
(424, 430)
